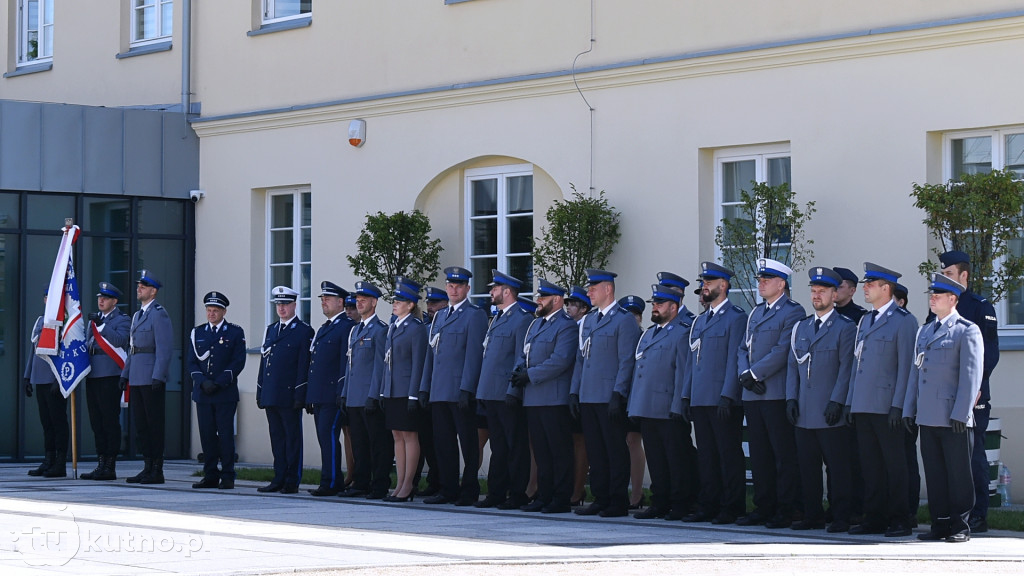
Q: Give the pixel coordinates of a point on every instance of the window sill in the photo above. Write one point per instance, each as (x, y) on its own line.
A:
(145, 49)
(30, 69)
(272, 27)
(1011, 340)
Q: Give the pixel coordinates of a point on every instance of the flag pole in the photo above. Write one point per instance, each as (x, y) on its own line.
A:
(69, 222)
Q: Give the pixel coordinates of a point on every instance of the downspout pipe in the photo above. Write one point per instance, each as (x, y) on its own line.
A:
(186, 57)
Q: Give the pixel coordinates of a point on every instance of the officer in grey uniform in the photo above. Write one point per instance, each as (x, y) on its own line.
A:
(817, 381)
(281, 388)
(216, 357)
(662, 359)
(542, 378)
(509, 469)
(146, 370)
(884, 352)
(944, 382)
(107, 340)
(450, 375)
(711, 400)
(436, 300)
(53, 409)
(762, 364)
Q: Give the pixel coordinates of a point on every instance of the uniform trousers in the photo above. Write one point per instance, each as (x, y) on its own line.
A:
(373, 450)
(327, 419)
(53, 415)
(672, 462)
(455, 429)
(773, 461)
(884, 464)
(608, 454)
(979, 462)
(217, 437)
(913, 472)
(103, 398)
(947, 473)
(509, 469)
(148, 411)
(428, 456)
(551, 437)
(831, 446)
(721, 463)
(285, 426)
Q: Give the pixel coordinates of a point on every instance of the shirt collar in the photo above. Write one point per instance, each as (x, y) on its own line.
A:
(826, 316)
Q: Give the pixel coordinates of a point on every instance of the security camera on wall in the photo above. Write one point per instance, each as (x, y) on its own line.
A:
(196, 195)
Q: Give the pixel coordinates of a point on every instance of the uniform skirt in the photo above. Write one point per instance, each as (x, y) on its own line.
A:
(397, 415)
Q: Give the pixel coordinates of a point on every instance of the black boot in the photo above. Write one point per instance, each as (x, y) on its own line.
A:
(156, 475)
(108, 472)
(97, 470)
(47, 462)
(59, 468)
(145, 472)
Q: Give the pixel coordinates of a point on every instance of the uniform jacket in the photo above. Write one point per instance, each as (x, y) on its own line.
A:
(852, 310)
(946, 376)
(284, 365)
(503, 345)
(36, 369)
(219, 356)
(883, 356)
(662, 359)
(454, 352)
(713, 343)
(549, 354)
(765, 346)
(327, 361)
(605, 356)
(115, 329)
(150, 330)
(819, 367)
(405, 350)
(366, 346)
(980, 311)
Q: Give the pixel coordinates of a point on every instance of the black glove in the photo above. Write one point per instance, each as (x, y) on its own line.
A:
(96, 317)
(28, 388)
(792, 411)
(833, 412)
(413, 406)
(759, 387)
(513, 402)
(958, 426)
(747, 380)
(616, 407)
(574, 406)
(298, 405)
(208, 387)
(424, 400)
(309, 408)
(895, 418)
(910, 424)
(465, 400)
(122, 384)
(848, 415)
(372, 406)
(676, 417)
(687, 411)
(342, 403)
(159, 385)
(724, 407)
(519, 377)
(259, 404)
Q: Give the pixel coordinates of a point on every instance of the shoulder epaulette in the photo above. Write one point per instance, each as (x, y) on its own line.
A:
(380, 322)
(964, 321)
(842, 317)
(902, 310)
(567, 317)
(792, 302)
(736, 308)
(416, 320)
(157, 306)
(472, 305)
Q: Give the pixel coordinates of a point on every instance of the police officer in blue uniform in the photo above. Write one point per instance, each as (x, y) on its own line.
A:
(107, 341)
(436, 300)
(635, 306)
(817, 381)
(327, 365)
(450, 376)
(957, 266)
(542, 378)
(53, 409)
(600, 385)
(662, 358)
(509, 469)
(372, 445)
(216, 357)
(711, 400)
(762, 364)
(281, 388)
(146, 370)
(944, 385)
(884, 352)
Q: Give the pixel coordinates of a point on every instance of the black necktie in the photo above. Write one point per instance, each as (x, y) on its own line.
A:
(817, 324)
(499, 314)
(656, 330)
(874, 316)
(451, 310)
(938, 325)
(711, 313)
(600, 315)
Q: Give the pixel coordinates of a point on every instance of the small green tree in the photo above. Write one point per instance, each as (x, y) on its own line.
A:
(581, 233)
(396, 244)
(768, 223)
(982, 215)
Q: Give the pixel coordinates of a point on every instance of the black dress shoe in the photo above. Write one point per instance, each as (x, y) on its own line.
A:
(723, 518)
(675, 515)
(755, 518)
(393, 498)
(698, 517)
(838, 526)
(226, 484)
(978, 525)
(592, 510)
(352, 493)
(290, 490)
(933, 536)
(272, 487)
(613, 512)
(512, 504)
(535, 506)
(436, 499)
(490, 502)
(781, 521)
(206, 483)
(898, 530)
(962, 536)
(376, 495)
(428, 491)
(466, 501)
(324, 491)
(650, 513)
(556, 509)
(808, 525)
(861, 529)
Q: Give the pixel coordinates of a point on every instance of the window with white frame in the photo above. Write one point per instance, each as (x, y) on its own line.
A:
(290, 245)
(499, 230)
(735, 170)
(152, 21)
(982, 151)
(35, 31)
(277, 10)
